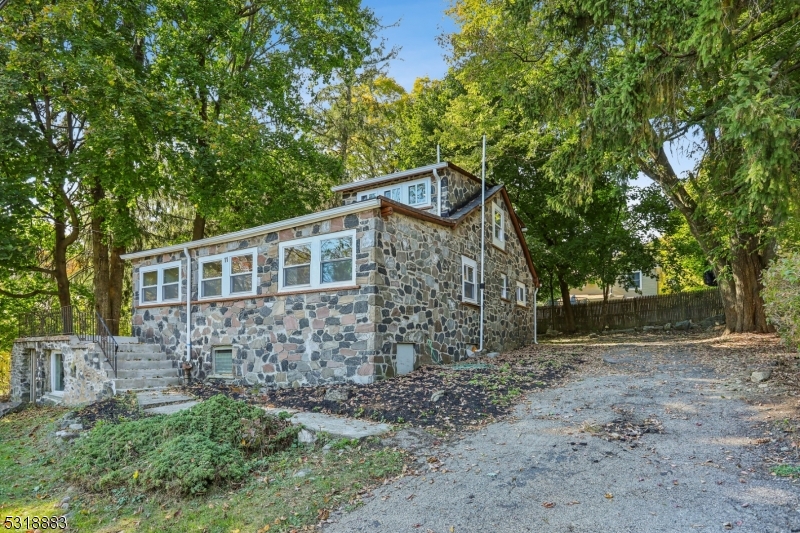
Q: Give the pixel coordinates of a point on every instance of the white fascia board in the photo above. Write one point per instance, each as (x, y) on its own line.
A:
(389, 177)
(357, 207)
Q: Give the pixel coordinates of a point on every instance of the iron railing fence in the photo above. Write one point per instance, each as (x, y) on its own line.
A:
(87, 325)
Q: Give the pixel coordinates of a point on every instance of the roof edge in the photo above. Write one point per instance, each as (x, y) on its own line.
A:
(402, 174)
(356, 207)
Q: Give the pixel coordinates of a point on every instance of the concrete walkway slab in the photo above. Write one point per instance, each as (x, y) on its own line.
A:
(171, 408)
(156, 398)
(339, 427)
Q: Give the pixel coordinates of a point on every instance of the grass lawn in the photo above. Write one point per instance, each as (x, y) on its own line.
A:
(274, 498)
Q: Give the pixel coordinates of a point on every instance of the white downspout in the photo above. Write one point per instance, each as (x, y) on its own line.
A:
(483, 234)
(438, 192)
(188, 305)
(535, 312)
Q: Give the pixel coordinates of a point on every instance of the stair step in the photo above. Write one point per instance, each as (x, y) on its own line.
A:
(126, 340)
(127, 373)
(125, 384)
(139, 348)
(151, 364)
(149, 356)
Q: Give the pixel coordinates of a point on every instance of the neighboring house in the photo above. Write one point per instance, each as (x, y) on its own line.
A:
(638, 285)
(386, 281)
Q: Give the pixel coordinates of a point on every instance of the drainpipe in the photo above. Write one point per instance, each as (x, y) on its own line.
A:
(483, 234)
(188, 305)
(438, 192)
(535, 325)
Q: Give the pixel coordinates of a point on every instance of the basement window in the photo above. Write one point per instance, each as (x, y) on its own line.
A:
(223, 362)
(469, 284)
(160, 283)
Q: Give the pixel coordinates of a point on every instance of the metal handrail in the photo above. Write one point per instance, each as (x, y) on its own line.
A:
(86, 325)
(106, 342)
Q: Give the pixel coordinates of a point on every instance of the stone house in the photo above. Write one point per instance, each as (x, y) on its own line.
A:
(386, 281)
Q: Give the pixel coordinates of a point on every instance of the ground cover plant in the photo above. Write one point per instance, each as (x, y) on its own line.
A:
(293, 490)
(217, 442)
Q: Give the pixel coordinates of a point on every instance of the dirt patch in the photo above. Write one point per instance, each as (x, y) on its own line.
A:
(114, 410)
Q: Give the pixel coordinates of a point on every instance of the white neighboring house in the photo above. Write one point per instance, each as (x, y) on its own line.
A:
(640, 285)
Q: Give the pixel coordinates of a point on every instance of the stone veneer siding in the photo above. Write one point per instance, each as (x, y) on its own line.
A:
(85, 378)
(288, 340)
(421, 290)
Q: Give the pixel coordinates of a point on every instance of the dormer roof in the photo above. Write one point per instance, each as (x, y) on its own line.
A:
(365, 184)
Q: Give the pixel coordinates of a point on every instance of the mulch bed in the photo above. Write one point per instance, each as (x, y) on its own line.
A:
(447, 397)
(113, 410)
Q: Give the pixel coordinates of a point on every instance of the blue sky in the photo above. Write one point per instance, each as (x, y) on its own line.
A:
(418, 23)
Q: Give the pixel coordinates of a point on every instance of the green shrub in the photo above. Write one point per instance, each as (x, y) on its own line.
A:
(192, 463)
(782, 297)
(215, 442)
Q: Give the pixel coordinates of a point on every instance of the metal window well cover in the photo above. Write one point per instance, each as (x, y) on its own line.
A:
(470, 366)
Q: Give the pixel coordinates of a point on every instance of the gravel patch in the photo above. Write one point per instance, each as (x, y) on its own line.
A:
(656, 441)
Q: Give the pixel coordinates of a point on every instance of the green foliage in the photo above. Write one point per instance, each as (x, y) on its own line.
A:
(682, 261)
(215, 442)
(786, 470)
(781, 295)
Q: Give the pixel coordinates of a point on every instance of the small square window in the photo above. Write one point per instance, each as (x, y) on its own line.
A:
(522, 294)
(223, 361)
(469, 282)
(417, 194)
(498, 226)
(160, 283)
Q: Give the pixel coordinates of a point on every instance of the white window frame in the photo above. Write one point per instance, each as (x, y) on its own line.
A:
(403, 186)
(215, 372)
(632, 285)
(504, 286)
(501, 242)
(226, 274)
(160, 268)
(465, 262)
(314, 243)
(53, 390)
(523, 301)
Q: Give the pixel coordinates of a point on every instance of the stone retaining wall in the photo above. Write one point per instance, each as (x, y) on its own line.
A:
(85, 378)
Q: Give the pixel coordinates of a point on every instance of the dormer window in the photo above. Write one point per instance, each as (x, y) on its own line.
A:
(415, 193)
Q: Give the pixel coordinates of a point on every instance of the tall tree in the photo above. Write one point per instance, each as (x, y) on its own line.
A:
(69, 92)
(618, 80)
(234, 73)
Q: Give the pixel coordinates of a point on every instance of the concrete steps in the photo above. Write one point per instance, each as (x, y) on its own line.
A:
(126, 384)
(143, 367)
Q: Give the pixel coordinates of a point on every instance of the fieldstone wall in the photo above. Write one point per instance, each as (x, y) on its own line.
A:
(85, 378)
(422, 291)
(457, 190)
(288, 340)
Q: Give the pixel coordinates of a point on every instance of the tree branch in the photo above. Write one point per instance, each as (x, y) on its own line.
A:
(28, 294)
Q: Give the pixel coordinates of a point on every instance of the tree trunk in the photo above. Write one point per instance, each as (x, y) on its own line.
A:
(60, 263)
(198, 227)
(569, 316)
(744, 307)
(99, 256)
(115, 284)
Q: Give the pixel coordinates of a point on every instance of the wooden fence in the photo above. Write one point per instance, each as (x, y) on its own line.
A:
(634, 312)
